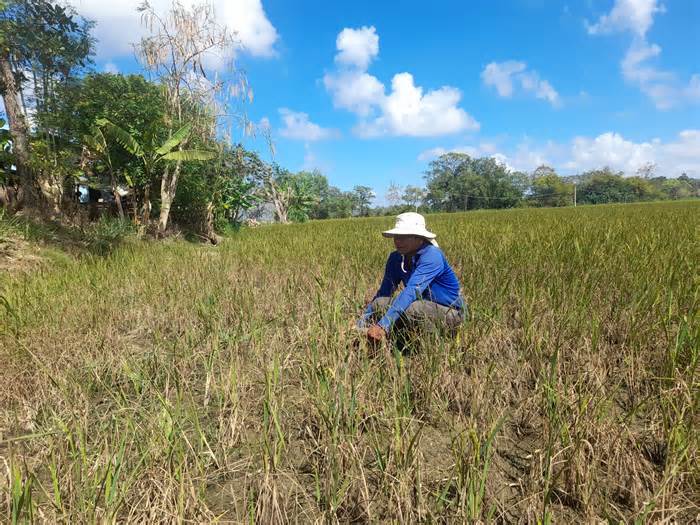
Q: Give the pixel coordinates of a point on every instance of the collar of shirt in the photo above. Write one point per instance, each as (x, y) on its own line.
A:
(423, 248)
(414, 259)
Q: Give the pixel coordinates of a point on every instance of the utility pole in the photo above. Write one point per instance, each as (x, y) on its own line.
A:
(574, 194)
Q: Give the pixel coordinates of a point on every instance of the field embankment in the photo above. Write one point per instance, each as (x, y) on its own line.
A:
(171, 381)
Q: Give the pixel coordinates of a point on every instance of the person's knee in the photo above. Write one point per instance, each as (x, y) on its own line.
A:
(415, 310)
(433, 316)
(381, 303)
(421, 311)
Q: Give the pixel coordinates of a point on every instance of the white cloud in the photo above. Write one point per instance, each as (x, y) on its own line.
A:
(634, 67)
(663, 87)
(610, 149)
(684, 153)
(531, 82)
(119, 24)
(110, 67)
(636, 16)
(500, 75)
(248, 19)
(355, 91)
(407, 110)
(672, 158)
(527, 156)
(681, 155)
(505, 75)
(297, 126)
(357, 47)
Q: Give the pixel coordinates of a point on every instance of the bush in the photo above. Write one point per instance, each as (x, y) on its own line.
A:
(107, 233)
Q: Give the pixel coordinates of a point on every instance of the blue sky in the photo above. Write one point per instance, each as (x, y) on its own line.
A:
(370, 92)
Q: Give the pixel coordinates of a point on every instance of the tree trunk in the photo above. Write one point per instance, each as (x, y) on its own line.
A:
(209, 231)
(118, 201)
(279, 198)
(51, 186)
(117, 197)
(135, 206)
(168, 188)
(146, 208)
(18, 129)
(282, 215)
(9, 198)
(280, 209)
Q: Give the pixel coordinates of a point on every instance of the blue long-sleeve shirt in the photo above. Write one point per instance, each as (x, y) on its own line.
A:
(430, 278)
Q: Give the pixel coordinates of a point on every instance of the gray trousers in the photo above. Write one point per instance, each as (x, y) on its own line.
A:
(422, 315)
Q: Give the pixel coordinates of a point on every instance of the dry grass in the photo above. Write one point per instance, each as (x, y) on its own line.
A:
(17, 255)
(174, 382)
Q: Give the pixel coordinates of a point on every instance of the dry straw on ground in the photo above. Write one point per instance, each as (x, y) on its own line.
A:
(173, 382)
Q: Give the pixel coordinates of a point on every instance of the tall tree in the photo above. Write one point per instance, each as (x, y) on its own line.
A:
(276, 191)
(271, 181)
(42, 42)
(604, 185)
(130, 101)
(393, 194)
(304, 195)
(233, 187)
(647, 170)
(679, 188)
(455, 181)
(363, 196)
(413, 196)
(312, 189)
(175, 52)
(548, 189)
(336, 204)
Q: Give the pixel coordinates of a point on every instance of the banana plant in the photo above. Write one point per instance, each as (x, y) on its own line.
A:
(151, 154)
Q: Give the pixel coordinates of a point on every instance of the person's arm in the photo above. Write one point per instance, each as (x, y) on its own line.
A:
(386, 289)
(429, 266)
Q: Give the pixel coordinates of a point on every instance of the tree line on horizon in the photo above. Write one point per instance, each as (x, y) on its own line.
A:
(458, 182)
(154, 153)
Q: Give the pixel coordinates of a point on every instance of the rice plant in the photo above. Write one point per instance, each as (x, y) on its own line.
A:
(173, 382)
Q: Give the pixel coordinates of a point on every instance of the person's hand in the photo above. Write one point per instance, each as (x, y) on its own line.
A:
(376, 333)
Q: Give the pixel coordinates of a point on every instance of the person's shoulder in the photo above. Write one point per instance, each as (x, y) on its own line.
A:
(432, 251)
(430, 254)
(394, 256)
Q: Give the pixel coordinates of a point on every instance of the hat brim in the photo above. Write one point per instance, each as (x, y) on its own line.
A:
(399, 231)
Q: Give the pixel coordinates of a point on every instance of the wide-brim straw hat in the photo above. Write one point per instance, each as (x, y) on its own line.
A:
(410, 223)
